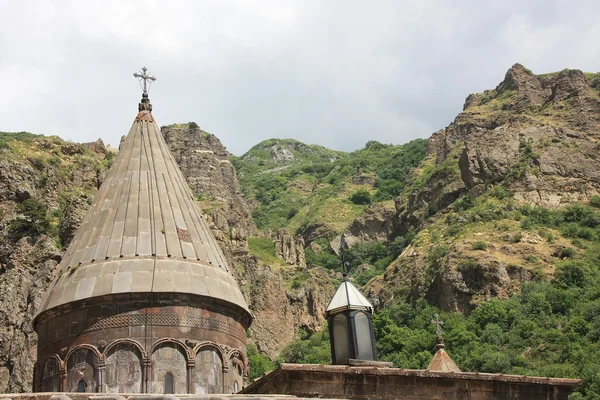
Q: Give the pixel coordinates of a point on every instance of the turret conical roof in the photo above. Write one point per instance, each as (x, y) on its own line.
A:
(348, 297)
(144, 231)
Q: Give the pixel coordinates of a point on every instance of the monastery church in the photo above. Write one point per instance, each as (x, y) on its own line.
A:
(144, 301)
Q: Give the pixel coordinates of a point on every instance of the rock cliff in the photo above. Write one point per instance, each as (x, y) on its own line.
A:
(533, 140)
(45, 187)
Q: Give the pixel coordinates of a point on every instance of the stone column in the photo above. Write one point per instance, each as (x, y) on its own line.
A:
(146, 373)
(225, 378)
(101, 368)
(191, 364)
(63, 380)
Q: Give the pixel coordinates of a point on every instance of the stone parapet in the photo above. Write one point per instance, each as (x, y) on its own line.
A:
(370, 382)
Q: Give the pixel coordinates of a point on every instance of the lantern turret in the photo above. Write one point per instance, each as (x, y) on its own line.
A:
(350, 320)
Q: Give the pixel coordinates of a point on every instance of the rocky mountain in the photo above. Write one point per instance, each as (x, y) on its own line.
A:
(278, 309)
(45, 186)
(533, 141)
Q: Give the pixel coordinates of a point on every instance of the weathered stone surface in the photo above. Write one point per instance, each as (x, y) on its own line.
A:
(536, 136)
(204, 162)
(373, 224)
(97, 146)
(289, 249)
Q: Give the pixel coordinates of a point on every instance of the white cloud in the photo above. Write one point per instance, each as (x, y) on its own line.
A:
(336, 73)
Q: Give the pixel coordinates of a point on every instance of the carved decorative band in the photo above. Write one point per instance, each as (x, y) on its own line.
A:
(172, 319)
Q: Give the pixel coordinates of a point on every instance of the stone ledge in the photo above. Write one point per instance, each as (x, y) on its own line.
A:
(149, 396)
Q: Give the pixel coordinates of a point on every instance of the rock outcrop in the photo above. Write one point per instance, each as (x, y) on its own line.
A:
(536, 136)
(373, 224)
(290, 249)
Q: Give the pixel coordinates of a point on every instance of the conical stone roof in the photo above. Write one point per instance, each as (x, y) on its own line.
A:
(144, 232)
(441, 361)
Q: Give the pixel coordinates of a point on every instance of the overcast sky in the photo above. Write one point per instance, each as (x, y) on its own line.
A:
(335, 73)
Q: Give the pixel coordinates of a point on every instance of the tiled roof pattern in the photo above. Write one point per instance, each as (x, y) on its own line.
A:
(143, 232)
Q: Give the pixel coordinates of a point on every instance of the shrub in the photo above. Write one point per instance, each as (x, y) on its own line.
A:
(464, 203)
(361, 196)
(567, 252)
(432, 209)
(595, 201)
(501, 193)
(479, 245)
(264, 249)
(193, 125)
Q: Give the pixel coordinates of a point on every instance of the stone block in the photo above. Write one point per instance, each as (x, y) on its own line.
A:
(85, 288)
(141, 281)
(103, 285)
(121, 282)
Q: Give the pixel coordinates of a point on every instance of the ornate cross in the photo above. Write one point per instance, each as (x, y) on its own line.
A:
(144, 77)
(438, 326)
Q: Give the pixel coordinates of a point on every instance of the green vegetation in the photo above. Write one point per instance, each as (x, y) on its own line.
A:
(361, 196)
(264, 250)
(259, 363)
(32, 221)
(480, 245)
(308, 349)
(6, 137)
(549, 329)
(297, 185)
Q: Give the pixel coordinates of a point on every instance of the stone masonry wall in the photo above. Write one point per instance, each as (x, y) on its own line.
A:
(136, 343)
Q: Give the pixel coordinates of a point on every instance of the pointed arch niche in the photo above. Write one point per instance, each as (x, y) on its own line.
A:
(50, 375)
(235, 373)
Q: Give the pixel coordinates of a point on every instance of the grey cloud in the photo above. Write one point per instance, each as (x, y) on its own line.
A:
(335, 73)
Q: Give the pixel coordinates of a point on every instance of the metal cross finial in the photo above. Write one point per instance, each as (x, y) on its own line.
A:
(344, 268)
(438, 326)
(144, 77)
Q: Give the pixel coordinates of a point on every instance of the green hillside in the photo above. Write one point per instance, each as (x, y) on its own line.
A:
(295, 186)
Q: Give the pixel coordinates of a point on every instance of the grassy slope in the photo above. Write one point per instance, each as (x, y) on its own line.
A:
(314, 187)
